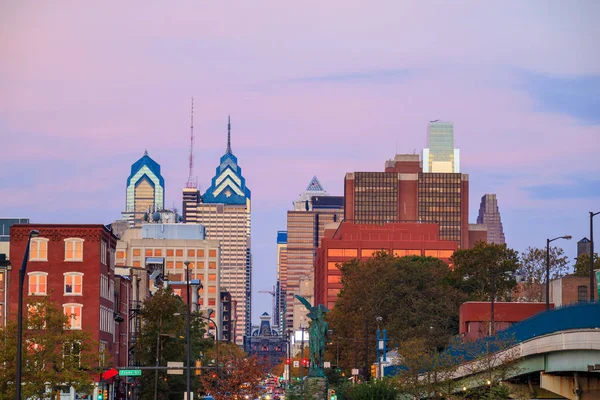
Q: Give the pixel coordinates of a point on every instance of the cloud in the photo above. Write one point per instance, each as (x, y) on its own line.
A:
(577, 96)
(579, 187)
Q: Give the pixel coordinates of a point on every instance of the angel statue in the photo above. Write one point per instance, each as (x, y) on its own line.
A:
(317, 336)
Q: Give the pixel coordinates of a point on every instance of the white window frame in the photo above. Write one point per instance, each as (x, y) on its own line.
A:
(75, 241)
(72, 274)
(37, 274)
(103, 250)
(35, 256)
(71, 306)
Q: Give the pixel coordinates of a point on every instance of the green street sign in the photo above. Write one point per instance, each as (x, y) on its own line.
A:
(130, 372)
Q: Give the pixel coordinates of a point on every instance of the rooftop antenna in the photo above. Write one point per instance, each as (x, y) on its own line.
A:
(228, 150)
(191, 182)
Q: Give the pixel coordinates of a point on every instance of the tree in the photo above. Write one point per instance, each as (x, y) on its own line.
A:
(474, 269)
(582, 266)
(410, 294)
(533, 269)
(53, 355)
(238, 375)
(163, 336)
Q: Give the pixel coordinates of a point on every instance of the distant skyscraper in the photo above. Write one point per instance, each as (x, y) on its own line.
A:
(489, 215)
(145, 190)
(305, 227)
(441, 156)
(224, 209)
(281, 309)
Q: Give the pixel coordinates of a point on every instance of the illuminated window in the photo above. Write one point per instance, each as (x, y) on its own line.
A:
(35, 317)
(73, 283)
(201, 301)
(200, 253)
(148, 253)
(179, 264)
(170, 265)
(38, 249)
(177, 292)
(439, 253)
(74, 249)
(212, 253)
(332, 292)
(212, 277)
(137, 252)
(120, 254)
(342, 252)
(170, 252)
(179, 252)
(73, 311)
(212, 265)
(368, 252)
(211, 302)
(157, 252)
(333, 266)
(191, 252)
(200, 265)
(136, 264)
(404, 253)
(334, 279)
(37, 283)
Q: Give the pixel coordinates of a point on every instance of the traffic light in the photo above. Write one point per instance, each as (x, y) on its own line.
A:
(374, 370)
(105, 394)
(288, 361)
(305, 362)
(198, 365)
(100, 395)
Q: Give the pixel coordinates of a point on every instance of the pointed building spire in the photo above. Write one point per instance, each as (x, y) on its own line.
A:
(146, 152)
(228, 134)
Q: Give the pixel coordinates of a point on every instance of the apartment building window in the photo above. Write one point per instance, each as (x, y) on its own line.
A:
(73, 249)
(73, 284)
(73, 311)
(103, 251)
(582, 293)
(38, 283)
(38, 250)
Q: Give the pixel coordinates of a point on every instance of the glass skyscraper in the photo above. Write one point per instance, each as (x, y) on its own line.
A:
(441, 156)
(145, 190)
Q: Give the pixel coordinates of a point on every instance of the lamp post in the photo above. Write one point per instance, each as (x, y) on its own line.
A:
(33, 233)
(592, 215)
(188, 334)
(289, 356)
(548, 241)
(210, 312)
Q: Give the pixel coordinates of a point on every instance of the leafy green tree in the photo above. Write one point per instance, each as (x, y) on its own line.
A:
(412, 296)
(582, 266)
(53, 355)
(381, 389)
(163, 339)
(474, 269)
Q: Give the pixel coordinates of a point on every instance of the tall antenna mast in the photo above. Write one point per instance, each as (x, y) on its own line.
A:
(191, 182)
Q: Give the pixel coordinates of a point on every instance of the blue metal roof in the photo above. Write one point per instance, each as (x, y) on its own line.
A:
(281, 237)
(152, 166)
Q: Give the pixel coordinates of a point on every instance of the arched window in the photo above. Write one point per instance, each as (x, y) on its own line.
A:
(73, 249)
(38, 249)
(73, 283)
(73, 311)
(38, 283)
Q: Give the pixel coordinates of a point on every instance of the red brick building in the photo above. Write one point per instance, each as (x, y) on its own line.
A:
(352, 240)
(74, 265)
(569, 289)
(475, 316)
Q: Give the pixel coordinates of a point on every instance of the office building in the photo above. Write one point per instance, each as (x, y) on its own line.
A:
(349, 240)
(305, 227)
(226, 316)
(281, 287)
(489, 215)
(403, 193)
(440, 155)
(5, 265)
(145, 190)
(224, 209)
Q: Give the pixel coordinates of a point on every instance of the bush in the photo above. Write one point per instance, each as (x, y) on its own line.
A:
(377, 390)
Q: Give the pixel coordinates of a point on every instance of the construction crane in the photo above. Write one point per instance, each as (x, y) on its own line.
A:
(274, 294)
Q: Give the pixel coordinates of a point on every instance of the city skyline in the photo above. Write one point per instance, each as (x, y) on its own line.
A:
(314, 90)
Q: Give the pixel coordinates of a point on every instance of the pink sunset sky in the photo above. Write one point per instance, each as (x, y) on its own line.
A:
(313, 88)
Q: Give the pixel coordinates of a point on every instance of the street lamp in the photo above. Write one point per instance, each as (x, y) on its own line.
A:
(548, 241)
(188, 334)
(33, 233)
(210, 312)
(592, 215)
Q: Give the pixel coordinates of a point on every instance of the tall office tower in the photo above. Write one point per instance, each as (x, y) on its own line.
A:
(280, 306)
(145, 190)
(489, 215)
(224, 209)
(441, 156)
(405, 194)
(305, 227)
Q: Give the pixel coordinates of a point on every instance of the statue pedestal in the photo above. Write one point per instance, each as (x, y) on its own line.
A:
(316, 387)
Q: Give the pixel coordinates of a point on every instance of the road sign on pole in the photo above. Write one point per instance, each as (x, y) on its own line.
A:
(130, 372)
(172, 364)
(326, 364)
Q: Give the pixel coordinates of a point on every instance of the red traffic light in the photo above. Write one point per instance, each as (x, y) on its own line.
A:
(287, 361)
(305, 362)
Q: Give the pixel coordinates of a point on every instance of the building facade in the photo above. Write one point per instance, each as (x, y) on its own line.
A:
(145, 190)
(440, 155)
(281, 286)
(305, 228)
(348, 240)
(224, 209)
(489, 215)
(569, 290)
(266, 343)
(75, 266)
(5, 264)
(403, 193)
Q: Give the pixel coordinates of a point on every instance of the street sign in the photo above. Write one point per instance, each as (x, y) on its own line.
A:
(130, 372)
(296, 364)
(326, 364)
(354, 371)
(171, 364)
